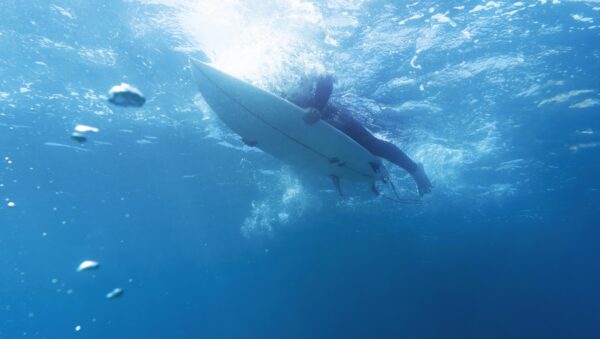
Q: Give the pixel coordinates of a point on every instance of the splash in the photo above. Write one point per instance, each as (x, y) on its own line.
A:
(284, 200)
(422, 104)
(262, 41)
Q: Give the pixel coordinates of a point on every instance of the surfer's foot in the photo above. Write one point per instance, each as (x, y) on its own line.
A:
(311, 115)
(423, 184)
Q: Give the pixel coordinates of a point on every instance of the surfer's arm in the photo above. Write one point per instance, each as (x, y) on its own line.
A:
(323, 91)
(311, 115)
(423, 184)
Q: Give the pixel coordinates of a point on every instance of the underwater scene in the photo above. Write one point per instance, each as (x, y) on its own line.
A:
(299, 169)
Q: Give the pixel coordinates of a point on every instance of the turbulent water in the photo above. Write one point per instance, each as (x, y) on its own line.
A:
(208, 238)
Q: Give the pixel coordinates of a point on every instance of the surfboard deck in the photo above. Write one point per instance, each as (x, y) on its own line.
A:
(276, 126)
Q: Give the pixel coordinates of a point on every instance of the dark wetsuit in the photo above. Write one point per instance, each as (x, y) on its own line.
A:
(342, 120)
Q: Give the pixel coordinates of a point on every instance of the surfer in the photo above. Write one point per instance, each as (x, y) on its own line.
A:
(317, 105)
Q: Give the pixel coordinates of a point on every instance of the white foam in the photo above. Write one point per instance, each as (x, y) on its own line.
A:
(418, 106)
(100, 56)
(245, 39)
(586, 103)
(413, 62)
(501, 189)
(583, 146)
(581, 18)
(487, 6)
(398, 82)
(413, 17)
(442, 18)
(511, 165)
(284, 199)
(564, 96)
(469, 69)
(63, 11)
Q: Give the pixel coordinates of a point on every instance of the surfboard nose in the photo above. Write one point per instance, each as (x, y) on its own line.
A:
(198, 69)
(194, 62)
(209, 78)
(204, 76)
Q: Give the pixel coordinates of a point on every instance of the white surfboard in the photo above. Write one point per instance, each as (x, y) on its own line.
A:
(277, 127)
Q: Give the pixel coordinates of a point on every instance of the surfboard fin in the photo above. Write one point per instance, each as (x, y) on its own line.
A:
(394, 190)
(249, 143)
(377, 169)
(374, 189)
(375, 166)
(336, 182)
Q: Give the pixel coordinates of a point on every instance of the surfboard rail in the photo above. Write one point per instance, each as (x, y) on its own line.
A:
(276, 126)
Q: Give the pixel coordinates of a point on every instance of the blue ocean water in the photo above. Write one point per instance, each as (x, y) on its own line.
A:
(209, 239)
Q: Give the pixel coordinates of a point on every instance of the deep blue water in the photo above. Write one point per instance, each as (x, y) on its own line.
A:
(209, 239)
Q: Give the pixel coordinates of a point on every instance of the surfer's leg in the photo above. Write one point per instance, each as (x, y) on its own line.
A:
(384, 149)
(393, 154)
(378, 147)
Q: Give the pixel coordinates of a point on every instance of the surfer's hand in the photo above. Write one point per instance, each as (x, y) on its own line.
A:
(311, 115)
(423, 184)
